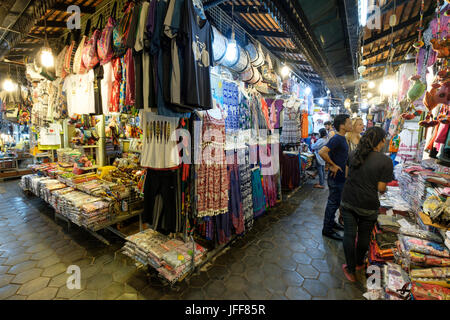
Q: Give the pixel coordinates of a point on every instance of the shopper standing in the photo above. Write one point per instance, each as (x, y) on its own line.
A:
(335, 153)
(319, 161)
(330, 130)
(369, 172)
(354, 136)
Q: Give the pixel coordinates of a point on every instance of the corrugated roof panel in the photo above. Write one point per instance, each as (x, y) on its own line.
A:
(250, 21)
(272, 22)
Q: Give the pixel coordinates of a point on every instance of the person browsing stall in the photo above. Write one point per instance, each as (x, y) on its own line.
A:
(335, 153)
(369, 172)
(319, 161)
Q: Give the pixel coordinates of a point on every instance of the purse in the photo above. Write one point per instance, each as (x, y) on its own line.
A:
(59, 61)
(78, 65)
(104, 44)
(68, 57)
(120, 31)
(90, 56)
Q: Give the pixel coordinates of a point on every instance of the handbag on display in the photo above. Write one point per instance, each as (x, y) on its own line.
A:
(219, 46)
(78, 65)
(59, 61)
(120, 31)
(256, 54)
(252, 76)
(104, 43)
(68, 57)
(90, 56)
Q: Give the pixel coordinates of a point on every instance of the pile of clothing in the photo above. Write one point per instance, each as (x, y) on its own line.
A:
(384, 236)
(172, 258)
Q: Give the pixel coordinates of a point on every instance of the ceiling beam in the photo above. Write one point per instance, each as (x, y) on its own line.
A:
(283, 50)
(27, 46)
(244, 9)
(386, 48)
(272, 34)
(399, 27)
(83, 9)
(213, 3)
(388, 6)
(52, 24)
(394, 63)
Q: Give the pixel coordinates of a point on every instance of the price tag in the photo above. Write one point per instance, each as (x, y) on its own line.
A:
(124, 206)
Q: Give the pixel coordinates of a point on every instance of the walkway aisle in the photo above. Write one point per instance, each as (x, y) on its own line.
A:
(283, 257)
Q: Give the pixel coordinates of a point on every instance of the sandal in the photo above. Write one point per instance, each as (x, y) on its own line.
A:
(350, 277)
(318, 186)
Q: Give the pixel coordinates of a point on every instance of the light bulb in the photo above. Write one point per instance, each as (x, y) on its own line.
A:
(388, 86)
(371, 84)
(232, 51)
(285, 71)
(8, 85)
(321, 101)
(328, 91)
(369, 95)
(308, 90)
(47, 58)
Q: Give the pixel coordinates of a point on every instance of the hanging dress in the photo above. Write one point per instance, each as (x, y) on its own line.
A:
(212, 177)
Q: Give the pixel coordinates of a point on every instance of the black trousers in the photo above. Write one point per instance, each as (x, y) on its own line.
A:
(361, 225)
(160, 200)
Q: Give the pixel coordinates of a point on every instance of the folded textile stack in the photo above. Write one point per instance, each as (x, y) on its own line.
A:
(438, 210)
(26, 181)
(48, 188)
(171, 258)
(395, 282)
(388, 223)
(56, 196)
(392, 199)
(438, 276)
(95, 214)
(422, 291)
(446, 237)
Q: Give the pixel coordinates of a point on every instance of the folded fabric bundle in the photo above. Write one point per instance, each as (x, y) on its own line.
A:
(395, 280)
(422, 291)
(414, 231)
(386, 240)
(443, 272)
(420, 259)
(424, 246)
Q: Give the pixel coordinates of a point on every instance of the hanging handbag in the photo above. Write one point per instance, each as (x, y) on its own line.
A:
(256, 55)
(78, 66)
(59, 61)
(104, 44)
(120, 31)
(68, 57)
(90, 56)
(219, 46)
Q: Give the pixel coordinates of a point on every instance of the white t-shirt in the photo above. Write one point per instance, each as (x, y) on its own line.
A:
(159, 149)
(79, 90)
(50, 136)
(106, 86)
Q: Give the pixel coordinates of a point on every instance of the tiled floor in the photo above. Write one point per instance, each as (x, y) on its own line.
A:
(283, 257)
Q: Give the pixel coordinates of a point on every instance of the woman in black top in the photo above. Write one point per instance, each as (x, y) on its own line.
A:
(369, 172)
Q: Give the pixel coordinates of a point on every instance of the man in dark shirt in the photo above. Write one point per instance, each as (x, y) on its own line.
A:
(335, 153)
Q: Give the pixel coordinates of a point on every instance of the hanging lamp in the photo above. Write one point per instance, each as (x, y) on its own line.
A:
(45, 53)
(8, 84)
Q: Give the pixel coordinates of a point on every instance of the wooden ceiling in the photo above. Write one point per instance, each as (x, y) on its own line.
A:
(380, 44)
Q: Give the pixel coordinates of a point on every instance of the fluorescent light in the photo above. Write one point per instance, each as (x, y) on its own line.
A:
(363, 13)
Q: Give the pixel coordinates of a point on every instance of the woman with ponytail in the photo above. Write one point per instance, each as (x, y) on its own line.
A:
(369, 172)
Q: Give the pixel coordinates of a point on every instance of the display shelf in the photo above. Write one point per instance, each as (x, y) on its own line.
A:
(89, 168)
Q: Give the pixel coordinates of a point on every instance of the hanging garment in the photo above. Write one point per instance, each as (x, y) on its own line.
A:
(212, 178)
(106, 86)
(235, 200)
(160, 200)
(231, 106)
(197, 56)
(245, 116)
(160, 150)
(130, 78)
(245, 178)
(98, 76)
(304, 125)
(123, 87)
(116, 85)
(291, 133)
(259, 202)
(290, 171)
